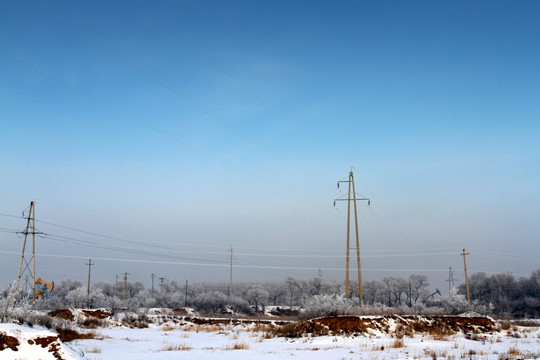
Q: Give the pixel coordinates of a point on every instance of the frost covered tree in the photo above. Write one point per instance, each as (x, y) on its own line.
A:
(454, 303)
(77, 297)
(418, 287)
(325, 305)
(256, 296)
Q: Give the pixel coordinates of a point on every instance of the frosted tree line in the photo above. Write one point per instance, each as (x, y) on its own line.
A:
(499, 294)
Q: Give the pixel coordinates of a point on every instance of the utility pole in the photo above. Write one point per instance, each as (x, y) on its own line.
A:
(230, 278)
(352, 196)
(152, 276)
(466, 278)
(116, 286)
(185, 296)
(30, 229)
(161, 280)
(450, 279)
(125, 285)
(90, 263)
(410, 295)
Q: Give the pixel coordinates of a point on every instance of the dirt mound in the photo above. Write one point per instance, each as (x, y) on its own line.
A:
(65, 314)
(99, 314)
(394, 325)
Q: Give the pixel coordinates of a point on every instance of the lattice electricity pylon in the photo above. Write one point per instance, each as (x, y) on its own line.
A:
(352, 196)
(30, 229)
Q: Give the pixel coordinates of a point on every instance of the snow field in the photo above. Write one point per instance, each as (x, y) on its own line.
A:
(239, 342)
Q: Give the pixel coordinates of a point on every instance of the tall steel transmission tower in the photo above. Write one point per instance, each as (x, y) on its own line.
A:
(352, 197)
(30, 230)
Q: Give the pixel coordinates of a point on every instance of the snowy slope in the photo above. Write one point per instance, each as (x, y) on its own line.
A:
(23, 342)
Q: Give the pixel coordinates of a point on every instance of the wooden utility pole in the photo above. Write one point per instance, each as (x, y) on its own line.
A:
(466, 278)
(152, 276)
(30, 229)
(352, 196)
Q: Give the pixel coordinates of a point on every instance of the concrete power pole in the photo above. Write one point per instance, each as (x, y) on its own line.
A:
(185, 295)
(230, 278)
(125, 285)
(352, 197)
(90, 263)
(466, 278)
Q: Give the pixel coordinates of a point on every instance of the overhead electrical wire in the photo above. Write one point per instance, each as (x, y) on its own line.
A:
(153, 249)
(226, 265)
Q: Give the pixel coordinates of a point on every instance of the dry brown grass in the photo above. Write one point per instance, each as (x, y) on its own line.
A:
(514, 351)
(260, 328)
(237, 346)
(206, 328)
(67, 334)
(94, 350)
(398, 343)
(167, 328)
(176, 347)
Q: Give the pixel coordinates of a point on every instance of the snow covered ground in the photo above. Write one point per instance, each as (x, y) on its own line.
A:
(241, 343)
(171, 341)
(23, 342)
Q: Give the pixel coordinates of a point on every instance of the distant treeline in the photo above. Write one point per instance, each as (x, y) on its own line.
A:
(499, 294)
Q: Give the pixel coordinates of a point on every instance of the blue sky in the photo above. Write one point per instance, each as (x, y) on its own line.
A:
(201, 125)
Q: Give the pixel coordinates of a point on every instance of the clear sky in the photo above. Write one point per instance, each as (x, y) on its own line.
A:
(177, 129)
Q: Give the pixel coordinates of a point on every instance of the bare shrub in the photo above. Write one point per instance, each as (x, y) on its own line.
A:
(136, 321)
(91, 322)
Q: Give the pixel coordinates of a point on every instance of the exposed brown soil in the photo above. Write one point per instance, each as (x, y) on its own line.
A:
(231, 321)
(45, 341)
(65, 314)
(100, 314)
(395, 325)
(7, 341)
(50, 342)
